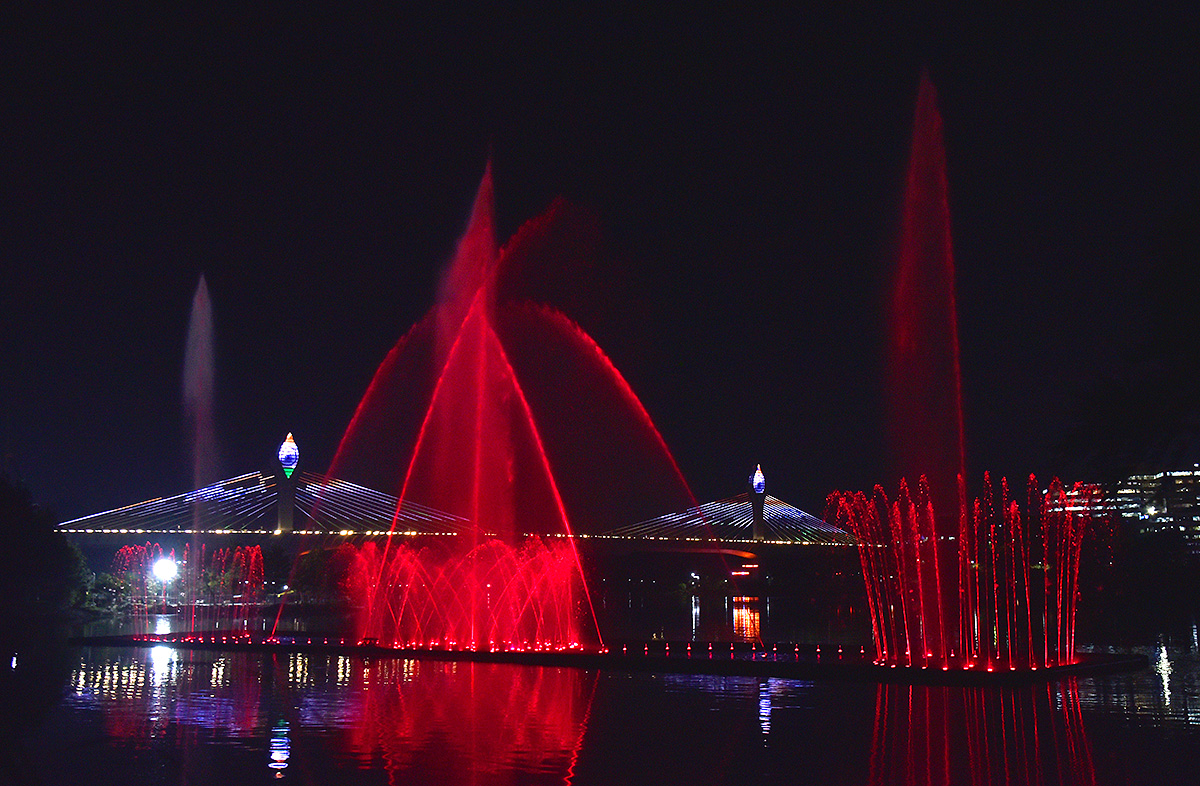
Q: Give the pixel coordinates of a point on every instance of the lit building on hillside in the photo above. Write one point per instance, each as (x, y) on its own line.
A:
(1163, 502)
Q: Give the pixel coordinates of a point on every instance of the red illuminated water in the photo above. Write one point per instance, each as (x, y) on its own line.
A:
(493, 596)
(1005, 588)
(978, 736)
(502, 411)
(173, 715)
(532, 718)
(952, 586)
(924, 396)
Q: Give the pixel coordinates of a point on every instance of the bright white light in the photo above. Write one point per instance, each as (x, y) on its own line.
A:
(160, 662)
(1163, 667)
(165, 569)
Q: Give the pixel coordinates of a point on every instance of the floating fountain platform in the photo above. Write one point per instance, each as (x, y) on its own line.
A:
(719, 658)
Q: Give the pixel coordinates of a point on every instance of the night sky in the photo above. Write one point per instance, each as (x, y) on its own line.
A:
(744, 175)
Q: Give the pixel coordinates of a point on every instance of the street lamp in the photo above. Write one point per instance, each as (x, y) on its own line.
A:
(165, 569)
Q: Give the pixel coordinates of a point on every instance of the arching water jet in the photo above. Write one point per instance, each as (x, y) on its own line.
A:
(505, 413)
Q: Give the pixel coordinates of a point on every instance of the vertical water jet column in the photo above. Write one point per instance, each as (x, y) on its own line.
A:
(200, 437)
(198, 389)
(948, 586)
(924, 386)
(471, 447)
(924, 381)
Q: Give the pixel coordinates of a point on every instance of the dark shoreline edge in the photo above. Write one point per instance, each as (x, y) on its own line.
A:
(832, 668)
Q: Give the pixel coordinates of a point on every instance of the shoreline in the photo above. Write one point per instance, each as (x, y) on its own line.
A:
(843, 668)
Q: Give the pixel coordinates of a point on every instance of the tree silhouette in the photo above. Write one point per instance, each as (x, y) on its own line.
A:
(41, 573)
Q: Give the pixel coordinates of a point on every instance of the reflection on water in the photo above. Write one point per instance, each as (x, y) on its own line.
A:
(1166, 694)
(940, 735)
(497, 718)
(280, 748)
(401, 715)
(326, 622)
(156, 715)
(747, 619)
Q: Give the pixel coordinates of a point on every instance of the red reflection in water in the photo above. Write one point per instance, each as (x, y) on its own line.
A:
(935, 736)
(747, 619)
(461, 719)
(1003, 594)
(427, 721)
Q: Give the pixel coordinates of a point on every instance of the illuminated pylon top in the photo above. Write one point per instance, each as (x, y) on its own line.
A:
(289, 455)
(758, 481)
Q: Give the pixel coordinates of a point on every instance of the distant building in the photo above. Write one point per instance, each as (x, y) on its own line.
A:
(1163, 502)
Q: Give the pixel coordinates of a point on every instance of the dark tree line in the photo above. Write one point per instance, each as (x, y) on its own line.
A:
(41, 572)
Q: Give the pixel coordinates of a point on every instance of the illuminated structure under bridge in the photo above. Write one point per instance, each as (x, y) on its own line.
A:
(257, 504)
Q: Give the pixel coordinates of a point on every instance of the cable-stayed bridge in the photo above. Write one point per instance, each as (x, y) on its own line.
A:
(256, 504)
(731, 520)
(250, 505)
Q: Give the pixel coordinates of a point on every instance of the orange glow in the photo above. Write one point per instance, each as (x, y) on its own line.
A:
(747, 620)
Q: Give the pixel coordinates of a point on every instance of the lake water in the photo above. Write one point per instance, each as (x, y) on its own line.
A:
(156, 715)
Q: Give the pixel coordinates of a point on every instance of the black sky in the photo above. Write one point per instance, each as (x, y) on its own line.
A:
(745, 172)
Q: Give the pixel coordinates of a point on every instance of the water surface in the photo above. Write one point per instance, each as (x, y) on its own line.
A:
(160, 715)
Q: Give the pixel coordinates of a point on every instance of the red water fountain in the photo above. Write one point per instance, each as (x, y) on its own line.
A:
(1000, 595)
(924, 379)
(502, 411)
(494, 596)
(950, 586)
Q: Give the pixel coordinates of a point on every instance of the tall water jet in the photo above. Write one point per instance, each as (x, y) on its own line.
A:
(951, 587)
(924, 395)
(502, 411)
(198, 416)
(198, 389)
(924, 382)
